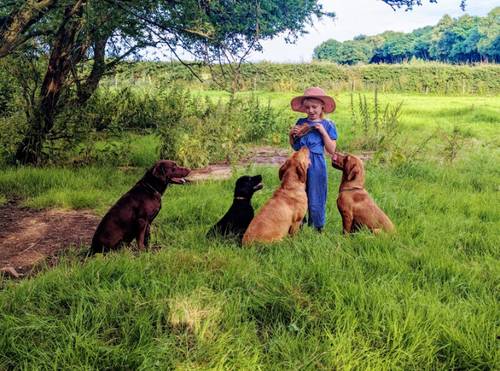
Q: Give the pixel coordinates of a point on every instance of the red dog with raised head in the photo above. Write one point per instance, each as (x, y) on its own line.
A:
(282, 214)
(355, 205)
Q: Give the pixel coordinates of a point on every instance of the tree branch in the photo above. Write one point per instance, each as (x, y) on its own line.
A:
(18, 22)
(160, 26)
(409, 4)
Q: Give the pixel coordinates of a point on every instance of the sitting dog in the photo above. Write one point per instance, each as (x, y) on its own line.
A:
(354, 203)
(283, 213)
(235, 222)
(132, 215)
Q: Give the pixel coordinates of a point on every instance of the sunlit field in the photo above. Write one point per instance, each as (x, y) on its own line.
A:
(423, 298)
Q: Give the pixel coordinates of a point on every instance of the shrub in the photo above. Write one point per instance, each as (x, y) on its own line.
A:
(197, 132)
(8, 90)
(430, 77)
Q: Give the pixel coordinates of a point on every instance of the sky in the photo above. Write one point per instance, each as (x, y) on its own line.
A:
(368, 17)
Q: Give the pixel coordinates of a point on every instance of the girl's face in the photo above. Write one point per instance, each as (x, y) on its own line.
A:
(313, 108)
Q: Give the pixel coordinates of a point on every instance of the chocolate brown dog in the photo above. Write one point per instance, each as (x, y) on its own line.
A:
(132, 215)
(355, 205)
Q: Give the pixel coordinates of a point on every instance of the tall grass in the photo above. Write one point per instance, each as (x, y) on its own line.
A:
(423, 298)
(198, 127)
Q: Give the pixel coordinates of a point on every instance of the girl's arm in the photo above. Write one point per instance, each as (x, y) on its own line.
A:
(293, 137)
(330, 144)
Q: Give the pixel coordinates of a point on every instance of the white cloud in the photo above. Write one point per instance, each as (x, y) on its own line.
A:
(368, 17)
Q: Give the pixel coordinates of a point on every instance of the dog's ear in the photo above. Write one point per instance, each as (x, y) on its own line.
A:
(353, 169)
(283, 169)
(302, 173)
(159, 170)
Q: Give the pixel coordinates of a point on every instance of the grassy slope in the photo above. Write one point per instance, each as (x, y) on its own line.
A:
(426, 297)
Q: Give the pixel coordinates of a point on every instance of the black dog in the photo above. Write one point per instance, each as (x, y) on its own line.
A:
(132, 215)
(240, 214)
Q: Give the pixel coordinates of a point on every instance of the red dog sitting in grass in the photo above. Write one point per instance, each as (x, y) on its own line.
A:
(355, 205)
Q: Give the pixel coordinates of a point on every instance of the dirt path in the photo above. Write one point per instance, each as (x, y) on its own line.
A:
(29, 237)
(257, 156)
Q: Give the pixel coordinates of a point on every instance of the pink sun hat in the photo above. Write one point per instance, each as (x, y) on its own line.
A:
(316, 93)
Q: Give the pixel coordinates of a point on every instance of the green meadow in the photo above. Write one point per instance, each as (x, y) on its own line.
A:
(423, 298)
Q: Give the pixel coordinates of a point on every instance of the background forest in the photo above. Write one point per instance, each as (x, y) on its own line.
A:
(466, 39)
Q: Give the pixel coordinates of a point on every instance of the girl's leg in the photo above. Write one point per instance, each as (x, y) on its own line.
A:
(317, 191)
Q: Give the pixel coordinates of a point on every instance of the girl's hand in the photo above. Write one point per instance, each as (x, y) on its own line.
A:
(294, 131)
(293, 135)
(330, 144)
(321, 129)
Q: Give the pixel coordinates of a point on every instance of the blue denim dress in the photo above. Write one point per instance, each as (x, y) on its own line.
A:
(317, 179)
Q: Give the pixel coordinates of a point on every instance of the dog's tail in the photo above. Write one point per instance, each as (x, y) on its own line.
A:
(212, 233)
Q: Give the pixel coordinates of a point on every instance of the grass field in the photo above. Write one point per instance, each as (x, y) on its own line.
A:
(424, 298)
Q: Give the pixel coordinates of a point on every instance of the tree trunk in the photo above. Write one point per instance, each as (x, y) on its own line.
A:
(99, 67)
(41, 123)
(29, 151)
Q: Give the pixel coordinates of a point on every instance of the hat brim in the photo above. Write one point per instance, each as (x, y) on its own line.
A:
(297, 103)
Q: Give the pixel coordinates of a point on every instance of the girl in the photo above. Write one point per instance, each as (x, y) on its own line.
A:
(317, 134)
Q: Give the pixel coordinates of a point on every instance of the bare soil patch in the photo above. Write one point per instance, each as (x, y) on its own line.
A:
(28, 237)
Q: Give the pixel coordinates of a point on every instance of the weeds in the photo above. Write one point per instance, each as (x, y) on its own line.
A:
(373, 129)
(453, 143)
(191, 129)
(207, 131)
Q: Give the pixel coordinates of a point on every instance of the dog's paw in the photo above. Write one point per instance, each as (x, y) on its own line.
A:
(11, 272)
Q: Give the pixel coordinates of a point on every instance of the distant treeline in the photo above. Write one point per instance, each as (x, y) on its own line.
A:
(462, 40)
(421, 77)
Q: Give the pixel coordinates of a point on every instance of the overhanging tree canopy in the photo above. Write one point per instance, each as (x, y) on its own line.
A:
(74, 31)
(71, 32)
